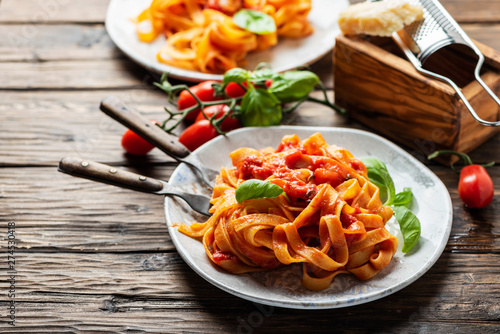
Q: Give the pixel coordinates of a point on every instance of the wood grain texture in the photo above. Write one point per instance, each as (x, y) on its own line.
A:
(385, 92)
(31, 13)
(63, 11)
(93, 258)
(70, 123)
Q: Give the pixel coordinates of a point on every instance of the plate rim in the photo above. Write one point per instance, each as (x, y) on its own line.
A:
(368, 297)
(183, 74)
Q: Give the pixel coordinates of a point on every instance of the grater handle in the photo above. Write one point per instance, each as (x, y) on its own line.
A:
(416, 63)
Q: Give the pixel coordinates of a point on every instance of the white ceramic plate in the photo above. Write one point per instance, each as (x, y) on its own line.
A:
(288, 54)
(283, 287)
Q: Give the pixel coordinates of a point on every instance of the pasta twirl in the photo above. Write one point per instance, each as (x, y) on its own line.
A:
(330, 219)
(203, 37)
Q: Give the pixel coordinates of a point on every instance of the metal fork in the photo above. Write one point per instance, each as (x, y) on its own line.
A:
(169, 144)
(106, 174)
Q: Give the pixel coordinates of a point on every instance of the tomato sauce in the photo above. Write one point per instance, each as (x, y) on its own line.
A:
(219, 256)
(297, 173)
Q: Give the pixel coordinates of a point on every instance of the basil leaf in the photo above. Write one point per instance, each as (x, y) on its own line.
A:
(379, 175)
(293, 86)
(403, 198)
(260, 108)
(254, 21)
(236, 74)
(263, 74)
(253, 189)
(409, 225)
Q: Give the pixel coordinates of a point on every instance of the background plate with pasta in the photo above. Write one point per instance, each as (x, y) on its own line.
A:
(288, 54)
(282, 287)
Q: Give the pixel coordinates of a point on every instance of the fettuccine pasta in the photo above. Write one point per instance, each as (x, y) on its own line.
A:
(202, 36)
(330, 218)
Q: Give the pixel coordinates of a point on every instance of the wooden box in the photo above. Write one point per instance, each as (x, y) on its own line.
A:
(383, 91)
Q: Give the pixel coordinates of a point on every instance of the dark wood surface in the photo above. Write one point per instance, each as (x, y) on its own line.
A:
(96, 258)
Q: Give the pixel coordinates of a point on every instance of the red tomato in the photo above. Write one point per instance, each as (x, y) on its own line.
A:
(228, 7)
(197, 134)
(219, 110)
(234, 90)
(475, 187)
(135, 144)
(204, 91)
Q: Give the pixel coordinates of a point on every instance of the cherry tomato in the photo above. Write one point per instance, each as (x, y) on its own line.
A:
(475, 187)
(135, 144)
(197, 134)
(228, 7)
(204, 91)
(219, 110)
(234, 90)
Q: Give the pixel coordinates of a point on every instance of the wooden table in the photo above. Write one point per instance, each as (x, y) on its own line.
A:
(96, 258)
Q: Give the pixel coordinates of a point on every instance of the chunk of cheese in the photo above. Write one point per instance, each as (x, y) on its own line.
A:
(380, 18)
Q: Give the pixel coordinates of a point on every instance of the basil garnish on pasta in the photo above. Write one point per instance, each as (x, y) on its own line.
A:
(254, 189)
(407, 220)
(255, 21)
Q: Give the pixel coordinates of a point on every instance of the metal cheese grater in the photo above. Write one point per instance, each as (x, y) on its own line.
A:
(437, 30)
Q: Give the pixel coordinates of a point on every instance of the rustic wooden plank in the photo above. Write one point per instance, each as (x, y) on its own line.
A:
(148, 291)
(63, 213)
(56, 42)
(165, 275)
(70, 123)
(473, 11)
(95, 258)
(95, 10)
(52, 11)
(63, 75)
(75, 57)
(58, 211)
(71, 41)
(56, 124)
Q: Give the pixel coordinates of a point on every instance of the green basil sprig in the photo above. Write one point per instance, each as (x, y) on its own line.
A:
(293, 86)
(254, 189)
(260, 108)
(408, 221)
(268, 96)
(237, 75)
(379, 175)
(254, 21)
(409, 225)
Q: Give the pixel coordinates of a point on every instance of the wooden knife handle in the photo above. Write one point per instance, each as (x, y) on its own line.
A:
(133, 120)
(107, 174)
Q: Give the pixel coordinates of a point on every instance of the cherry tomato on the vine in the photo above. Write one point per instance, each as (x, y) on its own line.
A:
(475, 187)
(234, 90)
(204, 91)
(219, 110)
(135, 144)
(197, 134)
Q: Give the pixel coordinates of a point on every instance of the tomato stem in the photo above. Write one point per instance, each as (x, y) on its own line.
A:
(326, 101)
(465, 158)
(173, 90)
